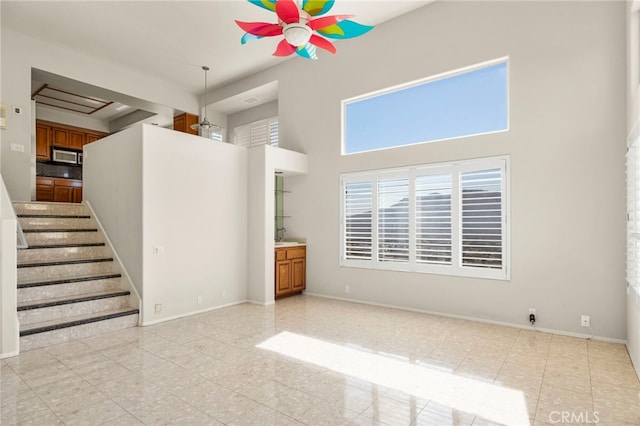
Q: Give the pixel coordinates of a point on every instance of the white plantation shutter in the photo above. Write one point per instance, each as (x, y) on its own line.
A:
(443, 218)
(262, 132)
(482, 222)
(433, 219)
(393, 219)
(633, 214)
(358, 202)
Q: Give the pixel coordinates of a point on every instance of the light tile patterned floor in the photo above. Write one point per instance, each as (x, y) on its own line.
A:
(313, 361)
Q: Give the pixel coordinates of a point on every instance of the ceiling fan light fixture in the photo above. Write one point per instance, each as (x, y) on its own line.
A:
(297, 34)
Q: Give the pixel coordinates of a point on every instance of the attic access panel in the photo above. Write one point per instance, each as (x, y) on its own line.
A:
(57, 98)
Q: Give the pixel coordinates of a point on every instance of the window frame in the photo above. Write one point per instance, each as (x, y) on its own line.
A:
(455, 168)
(419, 82)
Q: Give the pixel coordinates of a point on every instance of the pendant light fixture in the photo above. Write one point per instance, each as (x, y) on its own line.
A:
(205, 124)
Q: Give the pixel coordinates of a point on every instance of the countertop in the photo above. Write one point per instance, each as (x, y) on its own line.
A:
(284, 244)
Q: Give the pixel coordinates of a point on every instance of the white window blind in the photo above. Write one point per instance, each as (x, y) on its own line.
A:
(262, 132)
(633, 214)
(446, 218)
(358, 209)
(393, 219)
(482, 218)
(433, 219)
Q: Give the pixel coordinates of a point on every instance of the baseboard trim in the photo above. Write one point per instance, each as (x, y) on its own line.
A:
(9, 354)
(255, 302)
(188, 314)
(482, 320)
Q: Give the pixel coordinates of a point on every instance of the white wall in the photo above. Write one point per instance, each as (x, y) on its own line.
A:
(9, 338)
(112, 183)
(566, 142)
(187, 195)
(63, 117)
(264, 160)
(251, 115)
(195, 208)
(633, 119)
(21, 53)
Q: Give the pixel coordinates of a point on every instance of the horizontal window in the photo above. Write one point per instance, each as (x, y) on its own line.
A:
(445, 218)
(461, 103)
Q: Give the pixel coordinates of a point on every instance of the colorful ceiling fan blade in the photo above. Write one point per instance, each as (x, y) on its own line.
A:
(345, 29)
(287, 11)
(317, 7)
(265, 4)
(308, 51)
(262, 29)
(248, 37)
(326, 21)
(284, 49)
(322, 43)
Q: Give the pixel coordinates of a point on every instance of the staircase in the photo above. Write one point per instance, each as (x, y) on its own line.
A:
(69, 286)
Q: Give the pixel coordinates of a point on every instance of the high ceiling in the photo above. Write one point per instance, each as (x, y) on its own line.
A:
(172, 39)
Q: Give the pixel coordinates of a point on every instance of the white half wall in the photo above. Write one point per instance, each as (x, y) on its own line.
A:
(566, 142)
(175, 208)
(195, 215)
(9, 334)
(112, 184)
(633, 121)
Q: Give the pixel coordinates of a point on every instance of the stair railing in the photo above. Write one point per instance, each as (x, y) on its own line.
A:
(21, 242)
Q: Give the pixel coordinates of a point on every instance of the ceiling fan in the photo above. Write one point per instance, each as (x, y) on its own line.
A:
(303, 30)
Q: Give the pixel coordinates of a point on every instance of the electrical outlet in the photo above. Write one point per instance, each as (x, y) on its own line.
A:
(585, 321)
(347, 289)
(532, 311)
(17, 110)
(158, 250)
(199, 300)
(16, 147)
(158, 308)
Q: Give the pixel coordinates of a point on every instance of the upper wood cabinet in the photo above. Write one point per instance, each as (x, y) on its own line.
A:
(60, 137)
(50, 134)
(42, 142)
(92, 137)
(76, 139)
(183, 122)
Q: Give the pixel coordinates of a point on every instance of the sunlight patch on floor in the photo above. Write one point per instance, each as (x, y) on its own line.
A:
(496, 403)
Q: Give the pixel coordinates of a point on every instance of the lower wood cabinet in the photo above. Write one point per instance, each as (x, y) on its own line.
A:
(291, 270)
(58, 190)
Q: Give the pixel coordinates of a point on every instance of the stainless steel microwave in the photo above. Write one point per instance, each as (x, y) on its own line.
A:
(64, 156)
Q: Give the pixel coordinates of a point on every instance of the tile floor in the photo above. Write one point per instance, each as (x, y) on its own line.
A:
(313, 361)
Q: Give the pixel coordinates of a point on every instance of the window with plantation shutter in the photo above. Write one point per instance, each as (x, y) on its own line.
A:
(433, 219)
(441, 218)
(357, 213)
(482, 218)
(262, 132)
(393, 219)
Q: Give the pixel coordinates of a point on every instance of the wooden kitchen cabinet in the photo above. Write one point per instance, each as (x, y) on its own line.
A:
(183, 122)
(290, 270)
(76, 139)
(43, 151)
(92, 137)
(55, 134)
(59, 137)
(58, 190)
(44, 188)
